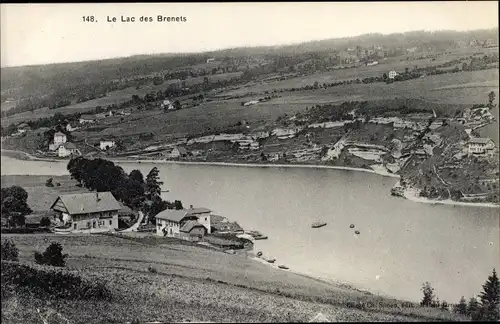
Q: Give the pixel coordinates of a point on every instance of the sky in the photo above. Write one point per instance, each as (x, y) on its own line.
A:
(53, 33)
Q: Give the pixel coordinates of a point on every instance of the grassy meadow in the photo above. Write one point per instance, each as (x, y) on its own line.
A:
(192, 283)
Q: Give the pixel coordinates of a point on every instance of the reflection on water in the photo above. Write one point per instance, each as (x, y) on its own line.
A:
(401, 243)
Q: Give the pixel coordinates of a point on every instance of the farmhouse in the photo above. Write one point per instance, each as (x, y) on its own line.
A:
(170, 222)
(68, 149)
(71, 128)
(106, 144)
(86, 211)
(87, 119)
(392, 74)
(481, 146)
(23, 128)
(179, 151)
(167, 104)
(59, 139)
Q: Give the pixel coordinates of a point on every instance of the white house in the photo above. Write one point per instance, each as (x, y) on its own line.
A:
(210, 60)
(87, 119)
(392, 74)
(167, 104)
(481, 146)
(371, 63)
(171, 222)
(23, 128)
(59, 139)
(178, 151)
(71, 128)
(106, 144)
(68, 149)
(88, 211)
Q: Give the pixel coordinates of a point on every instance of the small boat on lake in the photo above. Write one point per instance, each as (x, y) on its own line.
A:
(357, 232)
(283, 267)
(271, 260)
(318, 224)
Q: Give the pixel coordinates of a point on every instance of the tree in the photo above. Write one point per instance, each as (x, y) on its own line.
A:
(473, 308)
(178, 205)
(153, 185)
(9, 251)
(490, 298)
(428, 291)
(52, 256)
(45, 222)
(491, 99)
(461, 307)
(177, 105)
(137, 176)
(14, 205)
(444, 305)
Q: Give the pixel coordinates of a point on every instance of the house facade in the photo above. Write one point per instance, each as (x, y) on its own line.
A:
(392, 74)
(170, 222)
(106, 144)
(23, 128)
(94, 211)
(178, 151)
(68, 149)
(86, 119)
(59, 139)
(71, 128)
(481, 146)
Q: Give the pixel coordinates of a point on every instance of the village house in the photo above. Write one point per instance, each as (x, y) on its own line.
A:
(88, 211)
(68, 149)
(87, 119)
(481, 146)
(100, 116)
(71, 128)
(170, 222)
(59, 139)
(167, 104)
(437, 123)
(23, 128)
(179, 151)
(106, 144)
(210, 60)
(392, 74)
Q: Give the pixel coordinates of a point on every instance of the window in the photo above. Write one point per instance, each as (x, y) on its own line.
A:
(74, 226)
(88, 224)
(110, 222)
(205, 218)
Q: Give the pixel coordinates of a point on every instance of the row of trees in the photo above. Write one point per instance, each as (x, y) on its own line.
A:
(132, 189)
(486, 309)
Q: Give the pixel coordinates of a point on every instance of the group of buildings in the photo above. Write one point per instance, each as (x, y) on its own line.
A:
(99, 212)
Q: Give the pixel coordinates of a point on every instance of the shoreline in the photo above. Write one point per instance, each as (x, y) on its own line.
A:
(409, 193)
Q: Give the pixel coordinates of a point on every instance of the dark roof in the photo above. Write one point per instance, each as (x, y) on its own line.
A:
(199, 210)
(23, 125)
(189, 225)
(59, 134)
(172, 215)
(92, 202)
(479, 140)
(181, 150)
(69, 146)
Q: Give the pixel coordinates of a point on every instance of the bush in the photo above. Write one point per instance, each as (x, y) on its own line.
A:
(52, 256)
(45, 221)
(151, 269)
(50, 283)
(49, 183)
(9, 251)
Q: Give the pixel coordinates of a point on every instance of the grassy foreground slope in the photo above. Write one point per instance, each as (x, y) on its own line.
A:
(193, 283)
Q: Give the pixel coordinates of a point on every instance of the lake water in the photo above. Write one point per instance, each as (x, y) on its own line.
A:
(401, 243)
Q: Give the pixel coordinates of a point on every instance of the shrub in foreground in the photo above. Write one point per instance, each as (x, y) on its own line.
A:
(9, 251)
(52, 256)
(50, 283)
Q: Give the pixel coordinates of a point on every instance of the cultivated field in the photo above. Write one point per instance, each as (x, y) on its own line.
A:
(196, 284)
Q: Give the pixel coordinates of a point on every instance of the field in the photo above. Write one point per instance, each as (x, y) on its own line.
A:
(196, 284)
(114, 97)
(41, 197)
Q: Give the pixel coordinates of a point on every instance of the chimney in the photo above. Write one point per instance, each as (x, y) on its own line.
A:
(190, 206)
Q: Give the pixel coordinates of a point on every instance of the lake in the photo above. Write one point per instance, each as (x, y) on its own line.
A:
(401, 243)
